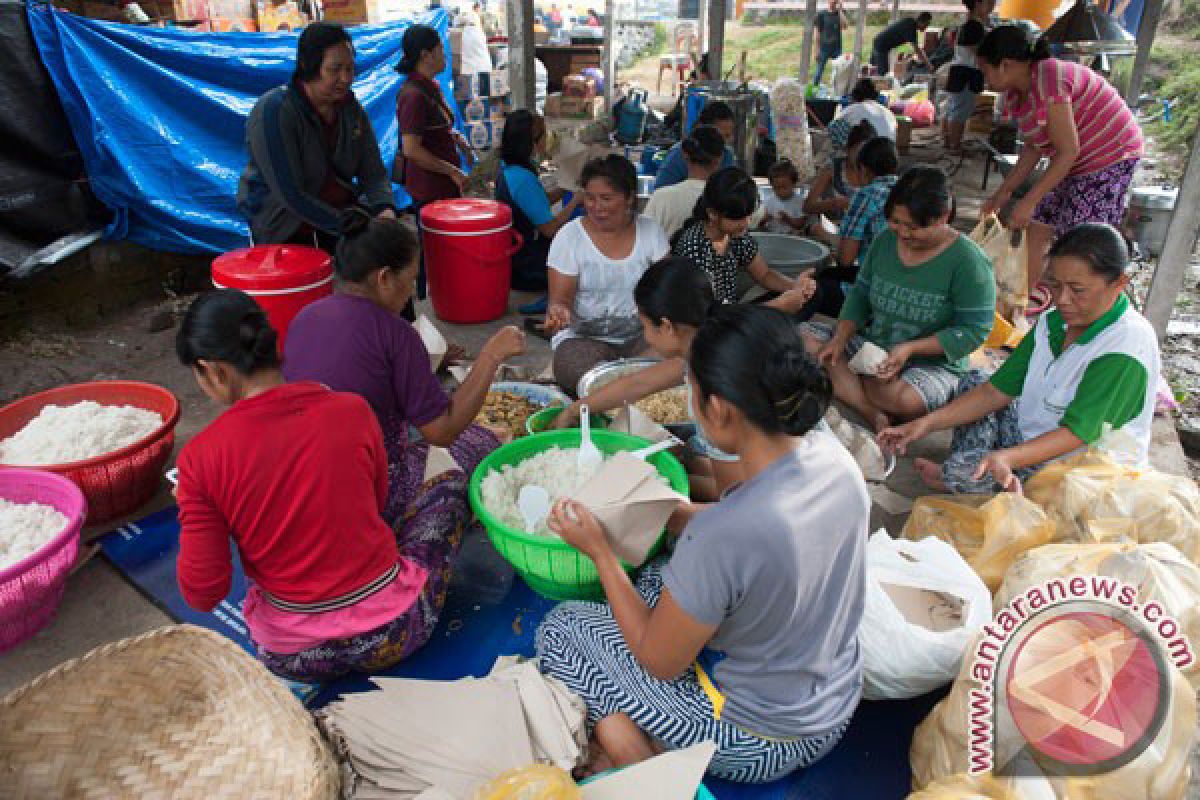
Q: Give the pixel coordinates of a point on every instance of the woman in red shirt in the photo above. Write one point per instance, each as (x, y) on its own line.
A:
(297, 476)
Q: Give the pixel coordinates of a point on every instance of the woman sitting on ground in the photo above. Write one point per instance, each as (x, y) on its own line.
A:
(829, 194)
(925, 293)
(1091, 363)
(518, 187)
(671, 206)
(296, 475)
(595, 261)
(716, 240)
(356, 341)
(747, 635)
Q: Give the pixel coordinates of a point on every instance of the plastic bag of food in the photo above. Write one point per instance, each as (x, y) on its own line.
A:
(924, 606)
(1007, 253)
(862, 445)
(535, 782)
(1158, 570)
(969, 787)
(868, 359)
(1093, 498)
(941, 748)
(990, 532)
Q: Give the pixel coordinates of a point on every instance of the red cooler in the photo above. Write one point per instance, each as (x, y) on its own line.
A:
(282, 278)
(469, 245)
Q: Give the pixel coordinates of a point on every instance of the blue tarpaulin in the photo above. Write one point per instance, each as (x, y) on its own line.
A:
(160, 114)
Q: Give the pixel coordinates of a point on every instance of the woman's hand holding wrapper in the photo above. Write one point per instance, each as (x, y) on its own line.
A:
(578, 527)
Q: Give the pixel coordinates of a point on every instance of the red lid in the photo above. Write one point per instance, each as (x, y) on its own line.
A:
(466, 215)
(273, 266)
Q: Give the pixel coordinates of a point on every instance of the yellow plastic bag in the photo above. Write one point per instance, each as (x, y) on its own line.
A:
(990, 532)
(966, 787)
(1158, 570)
(535, 782)
(1007, 252)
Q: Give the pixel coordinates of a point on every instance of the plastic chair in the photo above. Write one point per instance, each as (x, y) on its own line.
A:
(679, 61)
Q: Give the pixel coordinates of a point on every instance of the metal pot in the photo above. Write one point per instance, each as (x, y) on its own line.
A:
(748, 104)
(791, 255)
(1149, 215)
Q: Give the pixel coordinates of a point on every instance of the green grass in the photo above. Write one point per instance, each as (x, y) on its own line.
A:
(1174, 74)
(773, 51)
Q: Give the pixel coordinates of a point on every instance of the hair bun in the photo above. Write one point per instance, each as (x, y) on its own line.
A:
(256, 338)
(799, 390)
(353, 221)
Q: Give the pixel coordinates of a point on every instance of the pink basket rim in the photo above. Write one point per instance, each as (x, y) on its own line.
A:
(75, 518)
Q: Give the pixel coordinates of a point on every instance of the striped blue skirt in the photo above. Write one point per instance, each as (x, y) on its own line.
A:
(581, 645)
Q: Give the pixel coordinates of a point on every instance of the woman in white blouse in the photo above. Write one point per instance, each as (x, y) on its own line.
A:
(594, 264)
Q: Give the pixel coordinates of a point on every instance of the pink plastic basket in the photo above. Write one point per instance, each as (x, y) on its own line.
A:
(31, 590)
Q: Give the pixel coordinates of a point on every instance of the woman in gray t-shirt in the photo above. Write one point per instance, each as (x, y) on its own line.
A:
(748, 635)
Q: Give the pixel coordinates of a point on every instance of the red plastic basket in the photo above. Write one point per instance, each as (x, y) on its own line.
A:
(119, 482)
(31, 590)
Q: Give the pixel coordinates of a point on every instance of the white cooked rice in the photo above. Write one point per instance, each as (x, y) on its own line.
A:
(25, 528)
(63, 434)
(556, 470)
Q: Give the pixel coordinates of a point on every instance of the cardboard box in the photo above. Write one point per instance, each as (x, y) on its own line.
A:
(484, 135)
(182, 10)
(279, 16)
(475, 110)
(232, 10)
(353, 12)
(455, 38)
(579, 86)
(498, 85)
(223, 25)
(574, 107)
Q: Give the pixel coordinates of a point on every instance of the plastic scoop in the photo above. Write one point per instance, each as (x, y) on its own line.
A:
(590, 458)
(646, 452)
(534, 504)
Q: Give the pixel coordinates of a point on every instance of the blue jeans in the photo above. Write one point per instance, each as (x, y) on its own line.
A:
(823, 56)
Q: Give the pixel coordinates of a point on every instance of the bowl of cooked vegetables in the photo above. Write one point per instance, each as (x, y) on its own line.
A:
(510, 404)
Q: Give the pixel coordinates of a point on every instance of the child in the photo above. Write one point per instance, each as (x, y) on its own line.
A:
(783, 204)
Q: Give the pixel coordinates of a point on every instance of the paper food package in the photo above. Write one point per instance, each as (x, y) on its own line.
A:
(861, 443)
(674, 775)
(433, 340)
(632, 503)
(923, 607)
(868, 359)
(990, 532)
(632, 420)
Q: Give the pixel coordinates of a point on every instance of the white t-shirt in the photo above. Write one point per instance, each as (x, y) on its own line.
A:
(475, 55)
(881, 117)
(605, 287)
(671, 206)
(793, 207)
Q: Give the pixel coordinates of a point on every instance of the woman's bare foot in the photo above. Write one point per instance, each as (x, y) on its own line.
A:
(598, 762)
(623, 741)
(931, 474)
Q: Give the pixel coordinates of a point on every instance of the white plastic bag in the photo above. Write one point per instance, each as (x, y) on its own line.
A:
(924, 606)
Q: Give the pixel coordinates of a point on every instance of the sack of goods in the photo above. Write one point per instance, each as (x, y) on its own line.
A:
(990, 532)
(1007, 251)
(924, 606)
(1158, 571)
(941, 745)
(791, 125)
(1094, 498)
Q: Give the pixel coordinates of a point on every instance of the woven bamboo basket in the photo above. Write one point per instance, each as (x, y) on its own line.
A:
(176, 713)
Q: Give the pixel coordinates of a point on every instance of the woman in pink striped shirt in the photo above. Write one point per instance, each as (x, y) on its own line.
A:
(1071, 115)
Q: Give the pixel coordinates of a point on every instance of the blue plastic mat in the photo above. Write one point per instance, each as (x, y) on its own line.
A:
(489, 614)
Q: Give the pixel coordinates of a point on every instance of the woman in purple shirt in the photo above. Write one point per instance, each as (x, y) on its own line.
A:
(356, 341)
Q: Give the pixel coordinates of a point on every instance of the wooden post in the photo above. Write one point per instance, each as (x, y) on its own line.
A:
(806, 43)
(860, 33)
(895, 10)
(1172, 267)
(716, 38)
(521, 72)
(611, 49)
(1151, 14)
(701, 30)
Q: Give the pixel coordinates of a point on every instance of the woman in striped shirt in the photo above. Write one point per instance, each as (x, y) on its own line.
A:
(1071, 115)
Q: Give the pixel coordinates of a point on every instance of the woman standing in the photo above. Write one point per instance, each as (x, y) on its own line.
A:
(356, 341)
(925, 293)
(312, 149)
(671, 206)
(296, 476)
(748, 635)
(595, 261)
(715, 239)
(428, 164)
(518, 187)
(1090, 363)
(964, 81)
(1071, 115)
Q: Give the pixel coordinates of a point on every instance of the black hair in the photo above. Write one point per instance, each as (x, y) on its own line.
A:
(227, 325)
(676, 289)
(714, 112)
(1011, 42)
(729, 192)
(418, 39)
(367, 244)
(924, 18)
(310, 50)
(879, 156)
(614, 168)
(704, 146)
(783, 168)
(754, 358)
(864, 89)
(518, 140)
(925, 192)
(1100, 245)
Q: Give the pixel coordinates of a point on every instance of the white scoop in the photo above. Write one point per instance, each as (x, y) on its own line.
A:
(534, 504)
(646, 452)
(590, 458)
